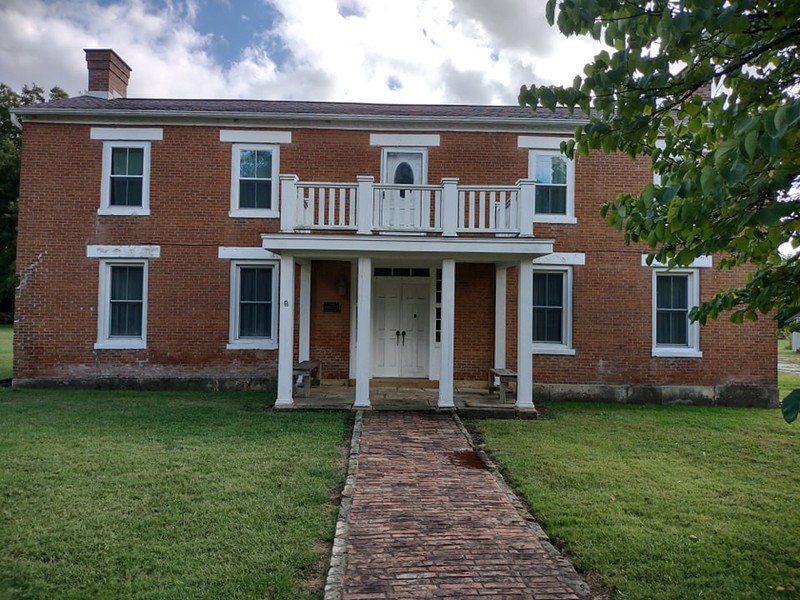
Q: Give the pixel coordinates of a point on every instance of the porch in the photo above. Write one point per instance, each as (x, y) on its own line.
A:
(471, 399)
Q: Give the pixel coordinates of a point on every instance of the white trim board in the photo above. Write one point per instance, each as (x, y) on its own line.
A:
(540, 142)
(561, 258)
(127, 133)
(123, 251)
(255, 137)
(697, 263)
(401, 139)
(245, 253)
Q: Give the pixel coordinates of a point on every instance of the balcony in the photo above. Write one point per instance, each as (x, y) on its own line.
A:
(444, 210)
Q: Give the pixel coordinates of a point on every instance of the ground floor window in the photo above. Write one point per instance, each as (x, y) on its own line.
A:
(552, 310)
(122, 311)
(253, 310)
(674, 295)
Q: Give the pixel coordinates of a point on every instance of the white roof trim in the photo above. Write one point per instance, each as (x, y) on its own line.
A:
(127, 133)
(697, 263)
(123, 251)
(403, 139)
(561, 258)
(245, 253)
(255, 137)
(540, 142)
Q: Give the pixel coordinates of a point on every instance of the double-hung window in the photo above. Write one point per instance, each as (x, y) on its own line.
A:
(123, 304)
(125, 185)
(122, 295)
(553, 175)
(675, 292)
(253, 323)
(552, 310)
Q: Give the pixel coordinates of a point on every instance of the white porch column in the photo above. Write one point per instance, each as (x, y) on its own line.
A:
(363, 332)
(500, 279)
(285, 332)
(448, 333)
(304, 324)
(527, 200)
(525, 335)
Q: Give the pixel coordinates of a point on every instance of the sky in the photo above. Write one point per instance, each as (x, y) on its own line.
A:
(405, 51)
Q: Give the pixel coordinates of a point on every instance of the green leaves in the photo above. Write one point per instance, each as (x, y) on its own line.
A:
(790, 406)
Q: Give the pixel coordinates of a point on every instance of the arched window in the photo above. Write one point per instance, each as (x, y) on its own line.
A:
(404, 174)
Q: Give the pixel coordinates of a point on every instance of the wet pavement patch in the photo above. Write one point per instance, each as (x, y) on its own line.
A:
(468, 458)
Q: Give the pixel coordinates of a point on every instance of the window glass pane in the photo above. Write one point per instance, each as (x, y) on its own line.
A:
(247, 194)
(548, 307)
(558, 170)
(551, 200)
(136, 161)
(255, 302)
(672, 291)
(247, 163)
(126, 301)
(119, 161)
(672, 328)
(263, 194)
(126, 191)
(544, 169)
(263, 164)
(126, 282)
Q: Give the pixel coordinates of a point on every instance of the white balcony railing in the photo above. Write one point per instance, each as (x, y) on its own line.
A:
(446, 209)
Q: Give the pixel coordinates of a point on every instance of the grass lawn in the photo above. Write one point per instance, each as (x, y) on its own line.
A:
(663, 502)
(6, 350)
(164, 495)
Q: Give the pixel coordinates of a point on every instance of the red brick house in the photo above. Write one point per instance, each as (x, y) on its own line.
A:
(217, 242)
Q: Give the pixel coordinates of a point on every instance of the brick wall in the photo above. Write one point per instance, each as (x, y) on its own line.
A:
(189, 285)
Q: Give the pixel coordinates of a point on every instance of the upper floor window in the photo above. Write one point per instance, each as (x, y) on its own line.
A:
(255, 170)
(125, 186)
(254, 188)
(554, 175)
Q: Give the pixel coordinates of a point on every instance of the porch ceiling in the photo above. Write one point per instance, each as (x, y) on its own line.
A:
(458, 248)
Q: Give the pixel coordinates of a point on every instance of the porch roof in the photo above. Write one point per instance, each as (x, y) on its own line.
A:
(509, 249)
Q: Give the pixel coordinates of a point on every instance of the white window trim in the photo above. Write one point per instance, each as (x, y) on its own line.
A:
(404, 139)
(692, 349)
(104, 342)
(255, 137)
(701, 262)
(127, 133)
(234, 342)
(105, 189)
(405, 150)
(550, 147)
(251, 213)
(565, 348)
(123, 251)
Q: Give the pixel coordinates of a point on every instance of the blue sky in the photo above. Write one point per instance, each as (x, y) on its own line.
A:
(437, 51)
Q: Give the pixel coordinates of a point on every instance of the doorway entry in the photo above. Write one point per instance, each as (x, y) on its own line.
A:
(400, 335)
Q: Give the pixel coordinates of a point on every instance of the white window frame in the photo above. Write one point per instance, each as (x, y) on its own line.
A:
(385, 176)
(550, 146)
(692, 348)
(564, 348)
(250, 343)
(104, 340)
(105, 191)
(260, 213)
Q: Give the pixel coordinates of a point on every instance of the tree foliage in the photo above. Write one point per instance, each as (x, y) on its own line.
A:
(729, 164)
(10, 148)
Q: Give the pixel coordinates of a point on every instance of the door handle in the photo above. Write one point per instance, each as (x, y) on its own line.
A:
(404, 338)
(397, 335)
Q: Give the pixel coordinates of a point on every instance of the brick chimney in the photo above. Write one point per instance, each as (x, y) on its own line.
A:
(108, 74)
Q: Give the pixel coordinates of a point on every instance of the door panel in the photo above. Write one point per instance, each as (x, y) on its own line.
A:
(401, 208)
(400, 329)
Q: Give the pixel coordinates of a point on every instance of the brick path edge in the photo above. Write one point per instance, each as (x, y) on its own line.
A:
(334, 584)
(564, 565)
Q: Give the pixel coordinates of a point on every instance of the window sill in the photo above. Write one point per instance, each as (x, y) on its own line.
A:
(253, 345)
(253, 213)
(121, 344)
(125, 211)
(558, 219)
(676, 353)
(553, 349)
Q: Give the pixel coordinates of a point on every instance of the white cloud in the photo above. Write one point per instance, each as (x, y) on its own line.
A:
(458, 51)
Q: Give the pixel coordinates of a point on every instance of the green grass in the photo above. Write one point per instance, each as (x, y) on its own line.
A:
(6, 350)
(164, 495)
(663, 502)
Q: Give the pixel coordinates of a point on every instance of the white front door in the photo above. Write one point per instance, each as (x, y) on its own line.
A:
(400, 329)
(402, 208)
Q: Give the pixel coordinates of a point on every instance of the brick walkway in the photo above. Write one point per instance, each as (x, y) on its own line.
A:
(428, 520)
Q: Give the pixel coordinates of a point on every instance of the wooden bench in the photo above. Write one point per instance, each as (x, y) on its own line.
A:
(504, 378)
(303, 375)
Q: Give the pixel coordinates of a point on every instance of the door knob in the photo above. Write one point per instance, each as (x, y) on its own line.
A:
(397, 336)
(404, 338)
